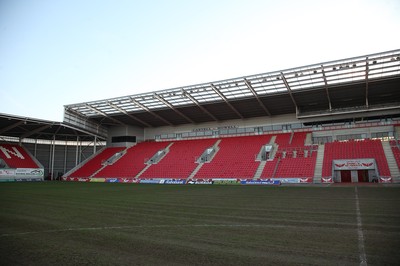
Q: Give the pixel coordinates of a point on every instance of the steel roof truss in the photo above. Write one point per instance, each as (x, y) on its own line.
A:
(172, 107)
(27, 134)
(326, 88)
(289, 91)
(188, 95)
(104, 114)
(3, 130)
(131, 116)
(150, 112)
(226, 100)
(257, 98)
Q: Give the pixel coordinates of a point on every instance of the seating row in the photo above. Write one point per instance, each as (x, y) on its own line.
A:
(235, 158)
(90, 167)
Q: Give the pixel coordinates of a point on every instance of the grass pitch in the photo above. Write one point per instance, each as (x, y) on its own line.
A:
(51, 223)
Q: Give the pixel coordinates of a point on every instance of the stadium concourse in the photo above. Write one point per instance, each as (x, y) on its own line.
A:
(329, 122)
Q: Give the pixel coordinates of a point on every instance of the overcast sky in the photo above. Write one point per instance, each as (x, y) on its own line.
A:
(59, 52)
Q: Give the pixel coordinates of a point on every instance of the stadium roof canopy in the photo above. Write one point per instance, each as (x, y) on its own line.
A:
(358, 84)
(31, 128)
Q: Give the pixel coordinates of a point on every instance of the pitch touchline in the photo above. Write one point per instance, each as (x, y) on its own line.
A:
(150, 226)
(361, 248)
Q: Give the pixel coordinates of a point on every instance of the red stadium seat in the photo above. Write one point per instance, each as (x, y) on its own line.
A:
(355, 150)
(235, 158)
(180, 161)
(129, 165)
(90, 167)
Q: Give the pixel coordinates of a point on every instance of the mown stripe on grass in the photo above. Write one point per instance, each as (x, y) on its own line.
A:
(361, 247)
(166, 226)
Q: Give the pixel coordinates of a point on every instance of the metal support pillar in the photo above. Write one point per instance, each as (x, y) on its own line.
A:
(53, 144)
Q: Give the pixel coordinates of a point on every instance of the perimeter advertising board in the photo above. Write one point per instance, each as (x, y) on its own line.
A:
(173, 181)
(97, 179)
(28, 179)
(200, 182)
(226, 182)
(268, 182)
(293, 180)
(7, 173)
(76, 179)
(21, 174)
(127, 180)
(101, 180)
(163, 181)
(121, 180)
(29, 172)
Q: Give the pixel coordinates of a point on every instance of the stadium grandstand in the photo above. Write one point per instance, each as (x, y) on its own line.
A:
(336, 121)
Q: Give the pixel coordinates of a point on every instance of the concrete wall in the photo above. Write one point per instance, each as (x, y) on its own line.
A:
(150, 133)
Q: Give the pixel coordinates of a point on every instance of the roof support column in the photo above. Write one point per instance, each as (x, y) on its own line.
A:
(77, 151)
(53, 149)
(290, 93)
(326, 88)
(366, 82)
(65, 157)
(95, 145)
